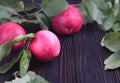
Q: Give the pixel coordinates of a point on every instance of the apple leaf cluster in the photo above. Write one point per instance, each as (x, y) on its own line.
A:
(112, 42)
(106, 13)
(21, 12)
(24, 56)
(5, 50)
(29, 77)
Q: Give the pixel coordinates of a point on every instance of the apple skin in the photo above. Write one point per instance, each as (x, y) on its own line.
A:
(45, 45)
(68, 21)
(8, 31)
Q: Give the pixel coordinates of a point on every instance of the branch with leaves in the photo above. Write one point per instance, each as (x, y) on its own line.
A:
(106, 13)
(21, 12)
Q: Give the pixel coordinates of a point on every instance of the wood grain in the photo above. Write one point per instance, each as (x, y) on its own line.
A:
(81, 60)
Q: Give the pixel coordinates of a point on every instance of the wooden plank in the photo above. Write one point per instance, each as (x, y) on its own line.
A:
(81, 60)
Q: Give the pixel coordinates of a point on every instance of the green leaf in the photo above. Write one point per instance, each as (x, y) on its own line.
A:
(117, 10)
(42, 24)
(53, 7)
(21, 37)
(95, 10)
(3, 20)
(116, 27)
(25, 79)
(31, 5)
(26, 54)
(116, 7)
(5, 49)
(19, 6)
(43, 18)
(113, 61)
(86, 17)
(36, 78)
(117, 18)
(7, 65)
(111, 18)
(39, 79)
(30, 35)
(108, 23)
(111, 41)
(30, 77)
(6, 12)
(22, 20)
(24, 62)
(13, 4)
(44, 3)
(104, 12)
(17, 20)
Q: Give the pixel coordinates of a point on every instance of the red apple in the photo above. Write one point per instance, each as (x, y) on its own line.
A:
(8, 31)
(68, 21)
(45, 45)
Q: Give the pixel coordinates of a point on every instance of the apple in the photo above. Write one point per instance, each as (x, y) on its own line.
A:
(45, 45)
(68, 21)
(8, 31)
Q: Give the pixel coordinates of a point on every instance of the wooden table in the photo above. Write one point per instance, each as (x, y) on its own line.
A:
(81, 60)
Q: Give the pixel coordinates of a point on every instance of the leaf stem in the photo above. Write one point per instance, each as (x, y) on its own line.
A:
(16, 74)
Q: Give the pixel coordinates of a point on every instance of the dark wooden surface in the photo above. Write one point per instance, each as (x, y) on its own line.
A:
(81, 60)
